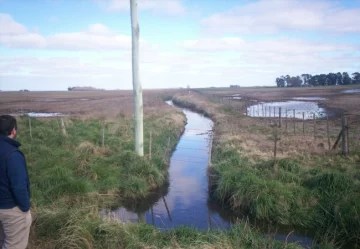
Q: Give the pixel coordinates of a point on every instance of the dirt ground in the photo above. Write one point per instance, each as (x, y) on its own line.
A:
(335, 98)
(91, 103)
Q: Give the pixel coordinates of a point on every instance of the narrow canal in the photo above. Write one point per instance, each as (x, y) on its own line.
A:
(186, 201)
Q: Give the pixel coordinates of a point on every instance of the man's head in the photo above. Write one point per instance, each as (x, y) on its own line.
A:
(8, 126)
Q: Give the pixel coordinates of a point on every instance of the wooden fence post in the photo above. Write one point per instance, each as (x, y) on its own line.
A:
(269, 111)
(314, 125)
(63, 129)
(303, 114)
(150, 156)
(280, 117)
(347, 137)
(30, 128)
(294, 120)
(328, 130)
(275, 131)
(343, 129)
(286, 118)
(103, 135)
(265, 111)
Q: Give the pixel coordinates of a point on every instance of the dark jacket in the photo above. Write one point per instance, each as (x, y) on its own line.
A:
(14, 178)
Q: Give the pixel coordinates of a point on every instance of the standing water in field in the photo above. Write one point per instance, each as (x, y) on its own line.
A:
(289, 109)
(352, 91)
(186, 201)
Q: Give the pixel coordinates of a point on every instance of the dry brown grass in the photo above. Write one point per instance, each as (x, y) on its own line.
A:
(85, 104)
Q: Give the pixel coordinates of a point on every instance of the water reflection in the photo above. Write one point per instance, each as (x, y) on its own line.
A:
(289, 109)
(185, 200)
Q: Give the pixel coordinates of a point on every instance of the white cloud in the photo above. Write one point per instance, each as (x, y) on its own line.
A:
(273, 16)
(281, 46)
(169, 7)
(221, 44)
(250, 63)
(9, 26)
(95, 37)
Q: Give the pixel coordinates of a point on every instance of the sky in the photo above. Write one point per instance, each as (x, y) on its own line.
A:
(56, 44)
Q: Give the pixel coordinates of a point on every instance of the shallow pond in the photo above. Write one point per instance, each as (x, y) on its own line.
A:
(289, 109)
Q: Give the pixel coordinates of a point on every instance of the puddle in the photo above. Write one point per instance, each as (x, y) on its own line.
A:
(186, 201)
(289, 109)
(46, 100)
(352, 91)
(44, 114)
(309, 98)
(235, 96)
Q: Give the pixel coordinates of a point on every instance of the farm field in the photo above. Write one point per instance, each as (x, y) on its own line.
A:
(76, 175)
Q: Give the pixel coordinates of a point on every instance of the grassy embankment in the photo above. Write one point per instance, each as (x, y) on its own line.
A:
(74, 177)
(319, 191)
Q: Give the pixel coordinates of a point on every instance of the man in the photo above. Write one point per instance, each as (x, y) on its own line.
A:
(15, 217)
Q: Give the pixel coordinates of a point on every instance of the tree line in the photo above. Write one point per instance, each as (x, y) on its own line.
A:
(330, 79)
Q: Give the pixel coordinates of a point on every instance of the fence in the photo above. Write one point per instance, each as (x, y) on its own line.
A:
(300, 119)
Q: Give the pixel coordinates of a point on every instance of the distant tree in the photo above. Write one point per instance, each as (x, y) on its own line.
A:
(296, 81)
(356, 78)
(280, 82)
(322, 80)
(287, 80)
(70, 88)
(339, 80)
(346, 78)
(311, 81)
(306, 79)
(331, 79)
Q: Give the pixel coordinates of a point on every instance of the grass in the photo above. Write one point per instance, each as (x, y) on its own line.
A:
(78, 164)
(74, 177)
(310, 189)
(81, 229)
(319, 198)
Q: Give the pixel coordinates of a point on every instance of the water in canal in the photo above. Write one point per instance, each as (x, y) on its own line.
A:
(185, 201)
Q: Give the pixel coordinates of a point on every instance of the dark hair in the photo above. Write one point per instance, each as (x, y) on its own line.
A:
(7, 124)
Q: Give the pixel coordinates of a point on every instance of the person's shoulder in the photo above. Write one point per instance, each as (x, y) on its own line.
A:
(15, 154)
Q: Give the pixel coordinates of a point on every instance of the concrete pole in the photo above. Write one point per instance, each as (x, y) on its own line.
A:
(138, 100)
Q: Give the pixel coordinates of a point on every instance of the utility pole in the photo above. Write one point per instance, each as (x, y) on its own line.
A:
(138, 101)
